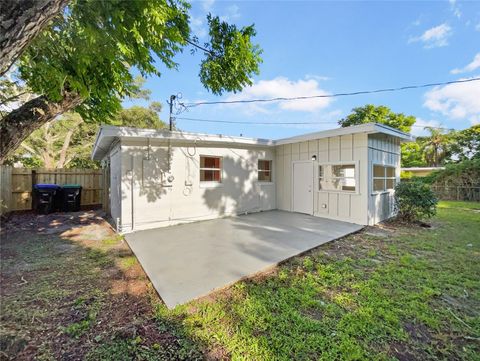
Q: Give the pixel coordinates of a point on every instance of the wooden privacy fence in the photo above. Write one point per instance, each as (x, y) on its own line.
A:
(16, 185)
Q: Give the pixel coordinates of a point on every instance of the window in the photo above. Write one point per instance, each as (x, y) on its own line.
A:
(383, 178)
(264, 170)
(210, 169)
(337, 177)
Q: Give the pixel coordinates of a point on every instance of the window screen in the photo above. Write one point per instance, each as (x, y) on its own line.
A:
(210, 169)
(338, 177)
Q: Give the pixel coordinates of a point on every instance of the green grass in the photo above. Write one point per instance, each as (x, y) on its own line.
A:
(382, 294)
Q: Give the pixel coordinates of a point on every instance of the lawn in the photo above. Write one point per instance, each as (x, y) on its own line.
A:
(388, 292)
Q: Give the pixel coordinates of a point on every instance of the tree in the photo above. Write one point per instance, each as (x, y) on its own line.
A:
(67, 142)
(20, 22)
(436, 147)
(412, 155)
(378, 114)
(466, 144)
(82, 61)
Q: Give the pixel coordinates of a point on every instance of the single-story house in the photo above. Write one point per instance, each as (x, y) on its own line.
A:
(159, 178)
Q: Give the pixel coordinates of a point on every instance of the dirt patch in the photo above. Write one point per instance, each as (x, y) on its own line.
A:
(72, 288)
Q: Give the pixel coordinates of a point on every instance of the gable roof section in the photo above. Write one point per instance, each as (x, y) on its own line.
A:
(108, 134)
(369, 128)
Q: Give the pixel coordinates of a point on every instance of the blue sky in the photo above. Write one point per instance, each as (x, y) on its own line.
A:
(319, 47)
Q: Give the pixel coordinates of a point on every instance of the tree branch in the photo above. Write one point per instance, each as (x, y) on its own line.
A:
(16, 126)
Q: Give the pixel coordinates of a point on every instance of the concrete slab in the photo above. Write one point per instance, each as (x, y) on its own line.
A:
(189, 261)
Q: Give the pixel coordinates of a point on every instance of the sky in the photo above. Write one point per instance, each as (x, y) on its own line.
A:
(323, 47)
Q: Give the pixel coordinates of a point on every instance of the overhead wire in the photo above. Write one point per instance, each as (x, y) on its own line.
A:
(277, 99)
(282, 123)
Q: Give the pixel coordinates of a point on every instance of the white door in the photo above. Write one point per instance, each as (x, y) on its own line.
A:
(303, 187)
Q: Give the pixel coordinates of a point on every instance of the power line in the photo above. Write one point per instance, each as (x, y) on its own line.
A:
(280, 123)
(191, 105)
(243, 122)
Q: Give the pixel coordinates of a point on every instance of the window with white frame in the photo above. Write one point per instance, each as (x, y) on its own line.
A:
(264, 170)
(383, 178)
(210, 169)
(337, 177)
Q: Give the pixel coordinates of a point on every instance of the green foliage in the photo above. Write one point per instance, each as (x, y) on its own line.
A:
(378, 114)
(230, 48)
(465, 174)
(140, 117)
(436, 147)
(414, 201)
(91, 49)
(412, 155)
(466, 143)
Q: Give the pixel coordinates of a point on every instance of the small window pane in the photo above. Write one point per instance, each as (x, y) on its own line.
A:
(264, 165)
(390, 183)
(210, 175)
(378, 171)
(265, 176)
(379, 185)
(390, 172)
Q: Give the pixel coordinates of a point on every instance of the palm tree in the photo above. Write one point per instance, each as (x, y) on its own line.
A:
(436, 146)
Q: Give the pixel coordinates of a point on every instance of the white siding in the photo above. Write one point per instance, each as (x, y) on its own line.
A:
(383, 150)
(345, 206)
(156, 202)
(115, 184)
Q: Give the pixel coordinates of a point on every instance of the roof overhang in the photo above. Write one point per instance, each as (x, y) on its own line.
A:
(107, 135)
(368, 128)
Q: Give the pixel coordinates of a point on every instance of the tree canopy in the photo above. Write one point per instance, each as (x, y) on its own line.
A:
(378, 114)
(83, 60)
(67, 142)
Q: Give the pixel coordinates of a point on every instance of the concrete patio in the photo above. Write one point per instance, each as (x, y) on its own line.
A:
(188, 261)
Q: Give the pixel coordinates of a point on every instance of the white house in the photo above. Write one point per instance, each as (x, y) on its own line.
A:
(160, 178)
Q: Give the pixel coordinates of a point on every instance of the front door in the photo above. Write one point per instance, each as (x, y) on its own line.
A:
(302, 195)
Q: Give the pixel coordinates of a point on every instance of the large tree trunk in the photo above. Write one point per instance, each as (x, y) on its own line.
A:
(20, 123)
(20, 22)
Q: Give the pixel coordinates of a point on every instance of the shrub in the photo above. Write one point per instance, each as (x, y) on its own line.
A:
(414, 201)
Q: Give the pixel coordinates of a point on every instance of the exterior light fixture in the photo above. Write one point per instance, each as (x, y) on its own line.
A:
(314, 157)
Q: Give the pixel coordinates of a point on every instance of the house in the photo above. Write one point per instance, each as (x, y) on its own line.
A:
(420, 171)
(159, 178)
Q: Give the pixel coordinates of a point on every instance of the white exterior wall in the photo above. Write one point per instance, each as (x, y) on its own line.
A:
(382, 150)
(149, 200)
(115, 184)
(345, 206)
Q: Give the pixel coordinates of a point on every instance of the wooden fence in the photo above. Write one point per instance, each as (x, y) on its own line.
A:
(16, 185)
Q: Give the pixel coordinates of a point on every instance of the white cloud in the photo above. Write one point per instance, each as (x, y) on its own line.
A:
(232, 13)
(477, 27)
(434, 37)
(198, 26)
(207, 5)
(475, 64)
(282, 87)
(454, 8)
(456, 101)
(418, 128)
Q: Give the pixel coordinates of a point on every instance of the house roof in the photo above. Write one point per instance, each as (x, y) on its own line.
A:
(107, 135)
